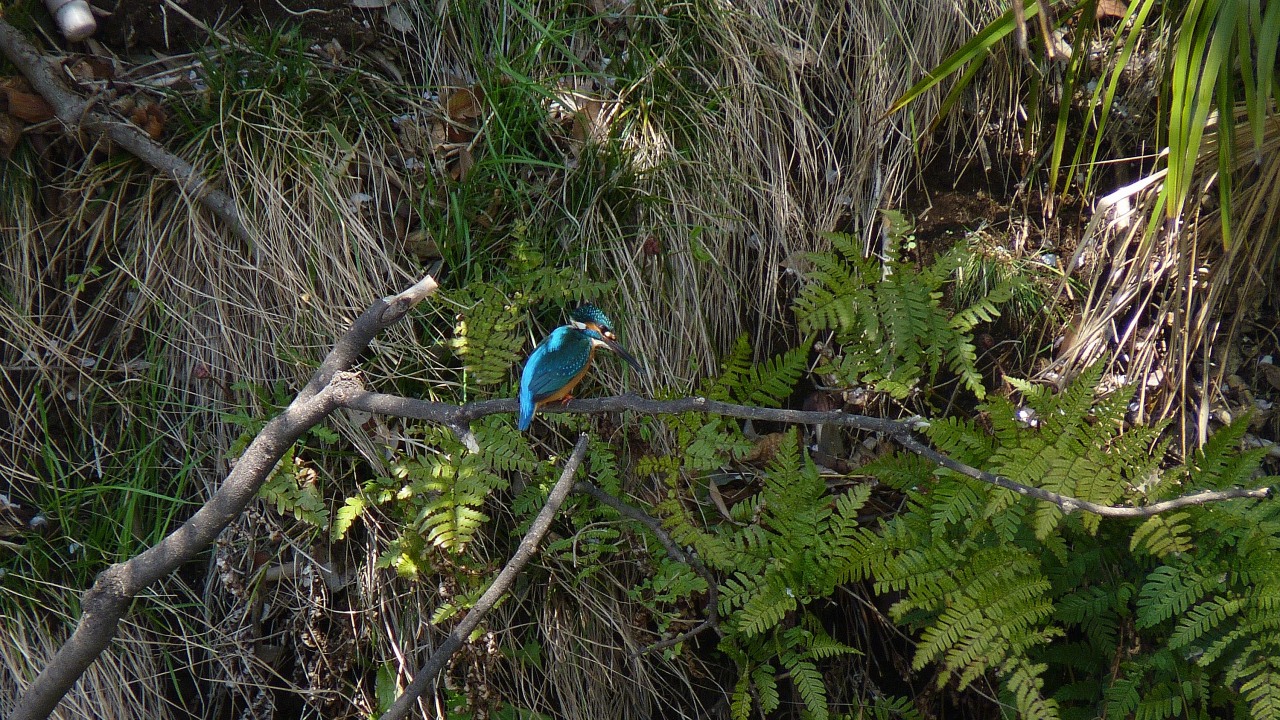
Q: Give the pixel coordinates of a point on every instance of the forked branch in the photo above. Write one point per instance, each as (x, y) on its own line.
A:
(106, 602)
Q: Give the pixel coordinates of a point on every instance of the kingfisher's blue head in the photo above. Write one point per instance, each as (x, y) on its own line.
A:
(593, 323)
(591, 318)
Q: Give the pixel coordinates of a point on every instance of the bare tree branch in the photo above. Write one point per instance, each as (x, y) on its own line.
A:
(1070, 504)
(106, 602)
(901, 431)
(523, 554)
(76, 115)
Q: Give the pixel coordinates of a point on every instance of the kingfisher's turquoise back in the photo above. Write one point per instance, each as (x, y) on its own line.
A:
(558, 362)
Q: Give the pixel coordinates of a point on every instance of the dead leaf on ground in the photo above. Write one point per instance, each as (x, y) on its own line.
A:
(1110, 9)
(586, 122)
(10, 133)
(151, 118)
(23, 103)
(422, 246)
(462, 110)
(89, 68)
(465, 104)
(1271, 373)
(464, 164)
(765, 449)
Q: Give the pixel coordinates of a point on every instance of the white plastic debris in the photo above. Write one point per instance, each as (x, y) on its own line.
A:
(74, 18)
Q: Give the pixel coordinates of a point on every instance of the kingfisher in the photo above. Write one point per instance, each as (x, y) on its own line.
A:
(558, 364)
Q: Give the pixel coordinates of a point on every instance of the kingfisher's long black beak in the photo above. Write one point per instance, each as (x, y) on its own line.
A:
(613, 345)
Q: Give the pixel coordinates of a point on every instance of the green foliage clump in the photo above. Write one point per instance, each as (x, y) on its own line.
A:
(888, 317)
(438, 497)
(785, 547)
(999, 584)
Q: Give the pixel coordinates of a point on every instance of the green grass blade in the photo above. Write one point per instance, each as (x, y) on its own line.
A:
(1268, 30)
(1076, 70)
(1226, 152)
(954, 94)
(1254, 102)
(1139, 12)
(973, 51)
(1203, 44)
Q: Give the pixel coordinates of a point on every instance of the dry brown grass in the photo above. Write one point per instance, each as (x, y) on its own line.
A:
(129, 680)
(1167, 309)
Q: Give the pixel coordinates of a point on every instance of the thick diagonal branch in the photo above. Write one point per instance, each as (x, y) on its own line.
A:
(501, 585)
(106, 602)
(902, 432)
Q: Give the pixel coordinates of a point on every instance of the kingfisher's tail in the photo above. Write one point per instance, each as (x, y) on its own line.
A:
(527, 406)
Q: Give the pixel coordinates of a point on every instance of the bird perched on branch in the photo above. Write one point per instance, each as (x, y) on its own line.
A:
(558, 364)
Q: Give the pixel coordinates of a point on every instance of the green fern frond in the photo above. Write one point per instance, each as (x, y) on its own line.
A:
(489, 336)
(346, 516)
(605, 471)
(293, 490)
(887, 316)
(1093, 608)
(813, 642)
(447, 491)
(1160, 703)
(984, 309)
(1024, 680)
(1220, 463)
(810, 686)
(502, 447)
(820, 307)
(770, 383)
(1169, 591)
(450, 524)
(999, 610)
(1030, 391)
(766, 683)
(953, 501)
(1204, 618)
(740, 703)
(1261, 688)
(1068, 410)
(961, 439)
(716, 551)
(733, 372)
(765, 607)
(765, 384)
(1163, 534)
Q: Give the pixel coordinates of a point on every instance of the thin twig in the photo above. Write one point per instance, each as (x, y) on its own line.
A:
(900, 431)
(523, 554)
(106, 602)
(1070, 504)
(702, 627)
(76, 115)
(675, 552)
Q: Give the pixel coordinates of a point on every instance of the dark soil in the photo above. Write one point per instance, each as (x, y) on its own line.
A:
(160, 25)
